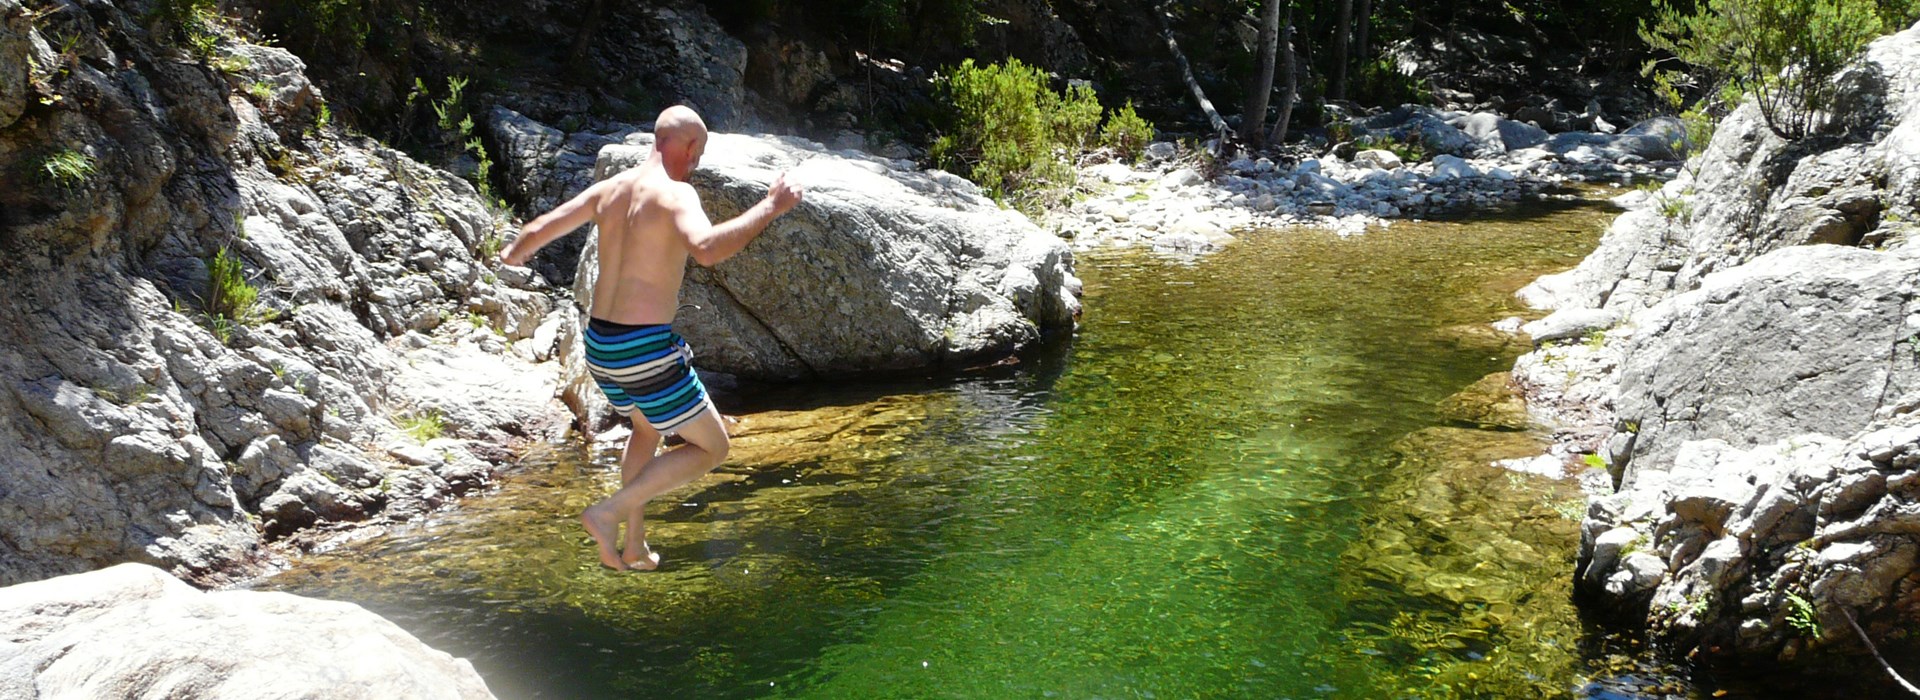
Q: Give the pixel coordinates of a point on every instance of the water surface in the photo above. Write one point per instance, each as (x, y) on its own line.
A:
(1233, 483)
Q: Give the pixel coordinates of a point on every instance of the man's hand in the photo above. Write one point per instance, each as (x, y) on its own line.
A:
(512, 255)
(782, 195)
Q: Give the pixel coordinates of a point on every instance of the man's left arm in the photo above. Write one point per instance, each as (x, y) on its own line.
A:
(551, 225)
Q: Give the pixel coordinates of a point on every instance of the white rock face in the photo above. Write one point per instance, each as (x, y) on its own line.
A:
(132, 631)
(882, 267)
(1759, 422)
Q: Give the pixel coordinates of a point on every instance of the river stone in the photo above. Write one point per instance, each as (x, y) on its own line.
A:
(1488, 403)
(1569, 323)
(134, 631)
(878, 269)
(1447, 167)
(1376, 158)
(1497, 134)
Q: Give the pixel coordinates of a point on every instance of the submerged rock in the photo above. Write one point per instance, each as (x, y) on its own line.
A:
(133, 631)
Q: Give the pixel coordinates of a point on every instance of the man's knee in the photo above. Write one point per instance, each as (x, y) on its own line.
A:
(718, 450)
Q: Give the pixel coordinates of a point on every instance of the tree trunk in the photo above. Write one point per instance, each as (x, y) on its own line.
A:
(1186, 72)
(583, 38)
(1253, 121)
(1290, 93)
(1362, 19)
(1342, 28)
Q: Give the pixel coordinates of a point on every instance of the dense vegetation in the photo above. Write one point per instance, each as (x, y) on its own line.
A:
(1017, 137)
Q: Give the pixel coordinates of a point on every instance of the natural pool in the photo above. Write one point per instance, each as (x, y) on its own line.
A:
(1235, 482)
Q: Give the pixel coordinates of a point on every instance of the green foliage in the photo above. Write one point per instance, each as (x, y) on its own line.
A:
(261, 91)
(1379, 82)
(1409, 151)
(335, 25)
(68, 168)
(1802, 617)
(231, 299)
(452, 114)
(1018, 138)
(194, 22)
(1126, 133)
(1594, 461)
(1785, 53)
(424, 426)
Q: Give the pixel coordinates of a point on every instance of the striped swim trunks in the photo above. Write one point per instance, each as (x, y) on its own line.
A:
(646, 367)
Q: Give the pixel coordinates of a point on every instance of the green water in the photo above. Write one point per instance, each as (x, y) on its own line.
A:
(1234, 482)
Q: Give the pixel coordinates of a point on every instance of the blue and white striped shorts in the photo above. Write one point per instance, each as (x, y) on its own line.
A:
(646, 367)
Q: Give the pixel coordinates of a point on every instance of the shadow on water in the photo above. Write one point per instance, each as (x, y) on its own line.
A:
(1233, 483)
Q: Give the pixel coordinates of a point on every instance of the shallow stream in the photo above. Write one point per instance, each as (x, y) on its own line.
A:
(1235, 482)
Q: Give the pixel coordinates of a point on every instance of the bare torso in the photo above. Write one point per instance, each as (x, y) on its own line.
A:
(643, 256)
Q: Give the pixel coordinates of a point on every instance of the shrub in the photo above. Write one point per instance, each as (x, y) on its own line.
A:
(231, 299)
(424, 426)
(195, 22)
(1785, 53)
(1017, 137)
(1126, 133)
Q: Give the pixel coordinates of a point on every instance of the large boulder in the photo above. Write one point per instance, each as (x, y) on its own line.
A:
(1424, 126)
(883, 267)
(133, 631)
(1497, 134)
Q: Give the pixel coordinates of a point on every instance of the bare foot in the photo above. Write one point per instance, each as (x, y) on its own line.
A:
(603, 526)
(644, 560)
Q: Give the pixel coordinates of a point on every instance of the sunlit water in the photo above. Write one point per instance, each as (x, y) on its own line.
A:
(1234, 482)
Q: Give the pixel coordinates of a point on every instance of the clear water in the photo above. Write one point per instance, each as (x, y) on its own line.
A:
(1233, 483)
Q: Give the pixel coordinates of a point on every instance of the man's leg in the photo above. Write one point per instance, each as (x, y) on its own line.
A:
(707, 445)
(641, 448)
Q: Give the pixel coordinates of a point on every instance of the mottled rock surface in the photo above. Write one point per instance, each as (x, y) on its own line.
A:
(141, 421)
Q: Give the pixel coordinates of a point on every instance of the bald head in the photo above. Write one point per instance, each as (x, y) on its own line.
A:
(679, 139)
(678, 125)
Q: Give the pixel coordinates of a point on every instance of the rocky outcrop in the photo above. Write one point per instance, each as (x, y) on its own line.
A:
(141, 420)
(134, 631)
(1755, 403)
(883, 267)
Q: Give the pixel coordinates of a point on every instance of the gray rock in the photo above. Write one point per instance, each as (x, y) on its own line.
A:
(1376, 158)
(1761, 416)
(1569, 323)
(1498, 134)
(16, 44)
(1447, 167)
(68, 637)
(878, 269)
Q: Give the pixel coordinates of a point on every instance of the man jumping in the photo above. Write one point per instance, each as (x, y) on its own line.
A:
(650, 222)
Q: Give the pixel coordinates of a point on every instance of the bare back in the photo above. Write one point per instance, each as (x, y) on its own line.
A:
(643, 255)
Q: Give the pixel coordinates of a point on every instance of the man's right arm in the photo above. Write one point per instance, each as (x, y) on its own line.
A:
(710, 243)
(554, 224)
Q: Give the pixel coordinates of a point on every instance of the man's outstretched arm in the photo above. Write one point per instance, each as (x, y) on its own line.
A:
(554, 224)
(710, 243)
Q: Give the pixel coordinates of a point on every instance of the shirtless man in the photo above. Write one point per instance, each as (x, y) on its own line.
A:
(650, 222)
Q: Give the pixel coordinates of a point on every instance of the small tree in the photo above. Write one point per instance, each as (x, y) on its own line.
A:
(1786, 53)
